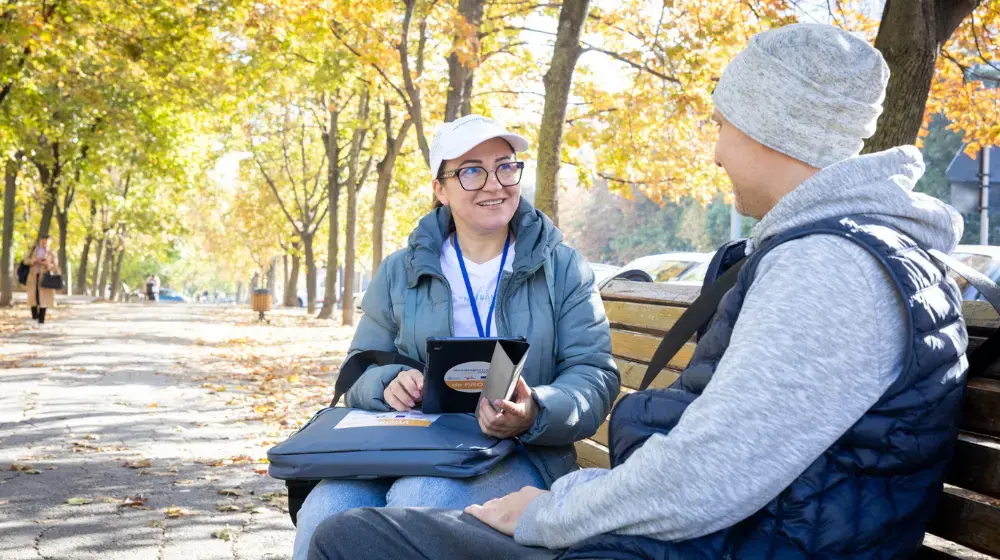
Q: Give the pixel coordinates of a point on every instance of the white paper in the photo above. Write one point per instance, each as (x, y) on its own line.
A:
(366, 419)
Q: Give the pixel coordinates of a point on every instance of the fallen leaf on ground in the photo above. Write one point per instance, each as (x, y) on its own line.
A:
(21, 467)
(225, 534)
(79, 501)
(227, 507)
(134, 501)
(174, 511)
(51, 468)
(4, 502)
(230, 492)
(252, 508)
(140, 464)
(261, 471)
(155, 524)
(242, 460)
(92, 437)
(179, 482)
(108, 500)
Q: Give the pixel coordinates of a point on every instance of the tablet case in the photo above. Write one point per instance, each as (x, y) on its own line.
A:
(457, 369)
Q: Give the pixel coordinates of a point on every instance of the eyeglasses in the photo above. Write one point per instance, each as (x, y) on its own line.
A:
(475, 178)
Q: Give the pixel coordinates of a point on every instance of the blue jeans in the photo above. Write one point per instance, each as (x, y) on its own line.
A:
(331, 497)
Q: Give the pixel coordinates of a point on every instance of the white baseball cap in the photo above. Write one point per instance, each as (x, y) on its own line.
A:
(459, 136)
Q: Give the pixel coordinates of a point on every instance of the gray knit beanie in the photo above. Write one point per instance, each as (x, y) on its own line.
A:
(810, 91)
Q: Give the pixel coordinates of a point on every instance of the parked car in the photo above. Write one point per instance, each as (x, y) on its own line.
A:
(668, 266)
(166, 294)
(983, 258)
(694, 276)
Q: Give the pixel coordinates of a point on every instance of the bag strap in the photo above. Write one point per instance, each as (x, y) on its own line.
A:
(358, 364)
(699, 313)
(980, 281)
(989, 352)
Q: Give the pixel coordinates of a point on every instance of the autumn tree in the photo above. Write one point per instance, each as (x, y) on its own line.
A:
(288, 153)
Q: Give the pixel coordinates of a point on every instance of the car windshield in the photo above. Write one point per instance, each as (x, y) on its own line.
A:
(668, 270)
(695, 274)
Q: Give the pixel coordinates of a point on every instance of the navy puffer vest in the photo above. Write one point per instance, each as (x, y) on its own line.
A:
(871, 494)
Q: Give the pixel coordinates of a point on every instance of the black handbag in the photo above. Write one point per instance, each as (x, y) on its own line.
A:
(52, 281)
(23, 271)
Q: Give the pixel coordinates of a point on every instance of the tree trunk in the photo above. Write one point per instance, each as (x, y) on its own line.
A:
(81, 269)
(50, 194)
(557, 82)
(910, 36)
(467, 100)
(393, 146)
(284, 271)
(292, 286)
(333, 198)
(116, 275)
(6, 242)
(307, 244)
(350, 231)
(109, 255)
(81, 276)
(459, 75)
(98, 268)
(271, 273)
(62, 220)
(239, 293)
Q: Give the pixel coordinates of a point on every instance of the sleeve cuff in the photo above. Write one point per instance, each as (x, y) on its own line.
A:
(367, 392)
(527, 532)
(541, 424)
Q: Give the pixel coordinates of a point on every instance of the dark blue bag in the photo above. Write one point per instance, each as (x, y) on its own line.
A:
(445, 445)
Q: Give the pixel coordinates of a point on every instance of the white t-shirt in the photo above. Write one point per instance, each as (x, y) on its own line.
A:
(483, 278)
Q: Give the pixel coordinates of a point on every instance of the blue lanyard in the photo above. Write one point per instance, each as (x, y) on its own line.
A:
(468, 286)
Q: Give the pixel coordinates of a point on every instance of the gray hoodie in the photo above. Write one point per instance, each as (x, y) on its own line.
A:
(819, 339)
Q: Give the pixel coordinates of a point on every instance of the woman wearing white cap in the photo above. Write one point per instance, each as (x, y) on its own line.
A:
(484, 263)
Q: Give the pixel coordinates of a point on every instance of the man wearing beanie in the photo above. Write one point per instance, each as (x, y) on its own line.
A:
(818, 413)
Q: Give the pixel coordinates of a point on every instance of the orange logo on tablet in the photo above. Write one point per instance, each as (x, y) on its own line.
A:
(469, 377)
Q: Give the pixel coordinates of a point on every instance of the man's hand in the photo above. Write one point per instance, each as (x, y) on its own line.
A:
(405, 391)
(515, 417)
(503, 513)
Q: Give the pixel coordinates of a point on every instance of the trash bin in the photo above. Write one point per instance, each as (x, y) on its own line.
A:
(261, 302)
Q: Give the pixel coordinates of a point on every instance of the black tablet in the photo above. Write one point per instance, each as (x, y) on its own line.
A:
(460, 369)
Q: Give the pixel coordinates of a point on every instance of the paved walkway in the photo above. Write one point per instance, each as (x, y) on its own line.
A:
(139, 431)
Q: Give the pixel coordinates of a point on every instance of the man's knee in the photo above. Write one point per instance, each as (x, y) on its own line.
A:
(343, 535)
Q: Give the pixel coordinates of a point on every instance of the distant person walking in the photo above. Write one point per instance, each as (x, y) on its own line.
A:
(152, 288)
(42, 260)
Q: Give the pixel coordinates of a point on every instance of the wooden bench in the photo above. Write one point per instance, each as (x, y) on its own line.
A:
(967, 522)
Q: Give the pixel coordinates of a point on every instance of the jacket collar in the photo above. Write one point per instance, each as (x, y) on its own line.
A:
(536, 237)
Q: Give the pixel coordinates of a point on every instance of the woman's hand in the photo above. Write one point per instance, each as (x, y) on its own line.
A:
(515, 417)
(405, 391)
